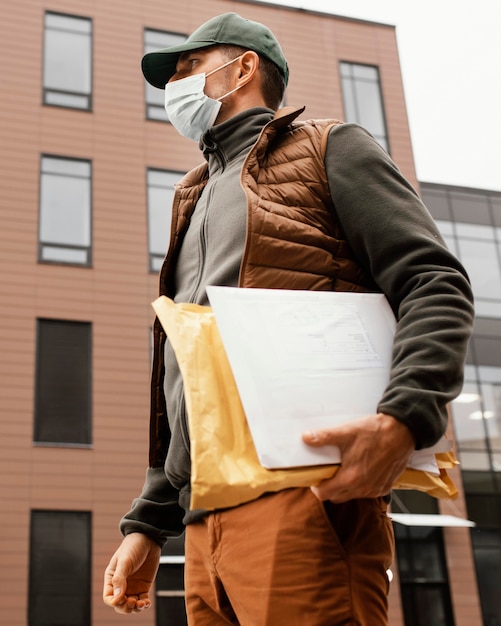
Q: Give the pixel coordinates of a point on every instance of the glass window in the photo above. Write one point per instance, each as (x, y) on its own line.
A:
(480, 259)
(475, 231)
(363, 101)
(496, 209)
(487, 551)
(424, 585)
(65, 211)
(483, 499)
(170, 603)
(445, 227)
(475, 239)
(477, 411)
(67, 70)
(437, 202)
(491, 395)
(487, 348)
(422, 570)
(155, 40)
(60, 569)
(478, 483)
(426, 604)
(470, 207)
(63, 394)
(468, 422)
(160, 194)
(447, 231)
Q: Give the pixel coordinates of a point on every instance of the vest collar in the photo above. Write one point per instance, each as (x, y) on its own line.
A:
(283, 117)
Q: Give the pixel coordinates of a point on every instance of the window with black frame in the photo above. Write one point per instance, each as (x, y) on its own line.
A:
(65, 226)
(422, 569)
(67, 62)
(63, 388)
(483, 501)
(156, 40)
(60, 568)
(160, 184)
(363, 99)
(170, 605)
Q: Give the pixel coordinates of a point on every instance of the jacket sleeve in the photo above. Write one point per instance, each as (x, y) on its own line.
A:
(396, 240)
(156, 512)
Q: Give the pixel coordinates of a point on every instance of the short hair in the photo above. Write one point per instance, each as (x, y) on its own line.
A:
(272, 81)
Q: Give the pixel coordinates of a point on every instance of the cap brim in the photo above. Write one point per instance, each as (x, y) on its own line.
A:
(159, 66)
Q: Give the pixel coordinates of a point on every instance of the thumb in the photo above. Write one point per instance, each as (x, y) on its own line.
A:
(323, 437)
(119, 583)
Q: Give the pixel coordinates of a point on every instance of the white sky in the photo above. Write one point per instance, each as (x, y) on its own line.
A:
(450, 55)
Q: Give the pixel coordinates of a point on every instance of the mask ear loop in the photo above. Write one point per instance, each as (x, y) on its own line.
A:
(229, 93)
(222, 67)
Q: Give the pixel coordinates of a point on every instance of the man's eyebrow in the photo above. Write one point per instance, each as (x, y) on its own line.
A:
(189, 53)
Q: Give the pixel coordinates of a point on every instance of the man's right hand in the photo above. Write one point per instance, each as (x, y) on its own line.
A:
(130, 574)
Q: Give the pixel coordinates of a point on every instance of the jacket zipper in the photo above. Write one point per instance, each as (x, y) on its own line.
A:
(203, 233)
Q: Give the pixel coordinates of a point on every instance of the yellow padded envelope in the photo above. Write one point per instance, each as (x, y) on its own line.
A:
(225, 470)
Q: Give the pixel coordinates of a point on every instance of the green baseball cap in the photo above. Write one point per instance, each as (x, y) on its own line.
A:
(230, 28)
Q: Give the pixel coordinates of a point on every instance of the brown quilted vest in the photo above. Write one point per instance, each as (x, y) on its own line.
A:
(293, 241)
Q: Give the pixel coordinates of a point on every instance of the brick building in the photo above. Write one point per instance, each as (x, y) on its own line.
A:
(88, 165)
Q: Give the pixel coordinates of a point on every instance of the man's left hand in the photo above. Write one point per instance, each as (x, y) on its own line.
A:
(374, 453)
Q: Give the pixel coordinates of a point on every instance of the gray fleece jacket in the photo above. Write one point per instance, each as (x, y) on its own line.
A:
(391, 237)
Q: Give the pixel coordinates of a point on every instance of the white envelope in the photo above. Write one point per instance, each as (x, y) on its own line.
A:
(304, 360)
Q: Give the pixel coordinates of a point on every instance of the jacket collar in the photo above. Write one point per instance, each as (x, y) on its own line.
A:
(281, 120)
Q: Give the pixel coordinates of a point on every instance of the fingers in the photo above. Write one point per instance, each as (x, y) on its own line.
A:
(130, 574)
(374, 452)
(356, 483)
(115, 595)
(132, 603)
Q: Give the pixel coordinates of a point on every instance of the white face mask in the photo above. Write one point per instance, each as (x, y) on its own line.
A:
(190, 111)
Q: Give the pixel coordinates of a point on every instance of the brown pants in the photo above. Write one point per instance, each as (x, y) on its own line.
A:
(288, 559)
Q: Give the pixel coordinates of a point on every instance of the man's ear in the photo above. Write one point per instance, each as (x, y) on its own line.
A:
(248, 66)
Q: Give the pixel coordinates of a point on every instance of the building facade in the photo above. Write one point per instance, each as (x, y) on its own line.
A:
(470, 222)
(88, 167)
